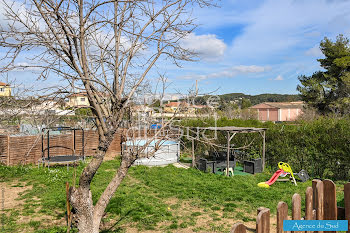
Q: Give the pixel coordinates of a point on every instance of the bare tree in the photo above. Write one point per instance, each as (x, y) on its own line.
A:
(105, 48)
(19, 105)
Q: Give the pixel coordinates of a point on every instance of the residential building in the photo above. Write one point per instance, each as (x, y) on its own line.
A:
(78, 100)
(5, 89)
(51, 107)
(279, 111)
(182, 107)
(174, 106)
(142, 110)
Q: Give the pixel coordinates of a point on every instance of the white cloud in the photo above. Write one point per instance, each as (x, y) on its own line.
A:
(313, 34)
(282, 27)
(314, 51)
(25, 66)
(249, 69)
(208, 47)
(229, 73)
(279, 78)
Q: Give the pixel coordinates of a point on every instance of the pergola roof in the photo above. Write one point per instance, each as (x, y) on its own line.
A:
(233, 129)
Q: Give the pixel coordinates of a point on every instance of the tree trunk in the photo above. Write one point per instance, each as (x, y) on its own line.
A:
(87, 216)
(81, 197)
(112, 188)
(81, 200)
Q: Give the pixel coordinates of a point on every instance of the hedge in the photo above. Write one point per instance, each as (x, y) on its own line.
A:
(321, 146)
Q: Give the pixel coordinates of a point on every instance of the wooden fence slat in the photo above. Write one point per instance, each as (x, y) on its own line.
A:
(238, 228)
(319, 203)
(282, 214)
(347, 203)
(309, 205)
(330, 200)
(314, 183)
(263, 221)
(260, 209)
(296, 208)
(322, 196)
(319, 199)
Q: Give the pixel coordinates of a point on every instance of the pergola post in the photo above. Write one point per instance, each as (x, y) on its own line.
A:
(228, 153)
(193, 157)
(263, 152)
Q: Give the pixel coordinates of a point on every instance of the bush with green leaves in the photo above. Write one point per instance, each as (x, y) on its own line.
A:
(321, 146)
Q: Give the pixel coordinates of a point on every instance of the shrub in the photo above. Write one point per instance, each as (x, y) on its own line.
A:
(321, 146)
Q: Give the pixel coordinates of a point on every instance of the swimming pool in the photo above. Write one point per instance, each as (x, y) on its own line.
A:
(168, 152)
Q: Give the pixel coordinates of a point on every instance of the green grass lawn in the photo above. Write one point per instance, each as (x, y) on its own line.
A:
(156, 199)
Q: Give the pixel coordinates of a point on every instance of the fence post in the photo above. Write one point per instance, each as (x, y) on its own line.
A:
(330, 201)
(296, 208)
(319, 203)
(238, 228)
(347, 203)
(308, 203)
(193, 155)
(319, 200)
(263, 221)
(314, 183)
(282, 214)
(260, 209)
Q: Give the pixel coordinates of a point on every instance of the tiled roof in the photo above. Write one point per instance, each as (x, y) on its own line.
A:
(183, 104)
(297, 104)
(4, 84)
(173, 104)
(81, 94)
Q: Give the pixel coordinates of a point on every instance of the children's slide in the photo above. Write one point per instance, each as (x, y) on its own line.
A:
(274, 177)
(283, 170)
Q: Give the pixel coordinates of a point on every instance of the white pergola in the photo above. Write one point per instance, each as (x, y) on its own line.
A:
(231, 131)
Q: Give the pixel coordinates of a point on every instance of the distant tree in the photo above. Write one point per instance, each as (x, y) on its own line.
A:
(83, 112)
(156, 104)
(329, 91)
(257, 99)
(245, 103)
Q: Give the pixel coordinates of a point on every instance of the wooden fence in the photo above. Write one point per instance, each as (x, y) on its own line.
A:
(320, 204)
(15, 150)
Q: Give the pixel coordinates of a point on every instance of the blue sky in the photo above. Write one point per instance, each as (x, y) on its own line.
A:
(252, 46)
(260, 46)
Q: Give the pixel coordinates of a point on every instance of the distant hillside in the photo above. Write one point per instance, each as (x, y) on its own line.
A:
(254, 99)
(257, 99)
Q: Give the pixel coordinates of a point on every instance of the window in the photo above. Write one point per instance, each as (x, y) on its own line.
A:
(2, 89)
(82, 99)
